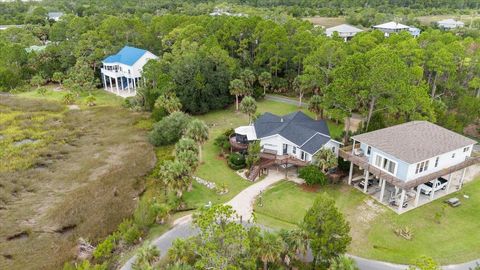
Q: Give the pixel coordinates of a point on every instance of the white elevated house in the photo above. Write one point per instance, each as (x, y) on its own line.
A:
(122, 72)
(394, 27)
(288, 140)
(54, 16)
(401, 161)
(344, 31)
(450, 24)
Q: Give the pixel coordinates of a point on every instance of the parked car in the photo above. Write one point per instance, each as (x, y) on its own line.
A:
(370, 182)
(435, 185)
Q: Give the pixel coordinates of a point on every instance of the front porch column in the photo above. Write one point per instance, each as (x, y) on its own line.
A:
(449, 182)
(134, 83)
(432, 194)
(353, 147)
(402, 199)
(111, 84)
(382, 191)
(365, 184)
(104, 81)
(417, 196)
(116, 85)
(350, 174)
(128, 84)
(462, 178)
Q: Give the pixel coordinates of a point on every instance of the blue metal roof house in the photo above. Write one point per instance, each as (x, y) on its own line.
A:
(122, 72)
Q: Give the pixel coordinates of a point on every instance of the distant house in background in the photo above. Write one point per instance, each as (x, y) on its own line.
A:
(223, 12)
(122, 72)
(55, 16)
(35, 48)
(344, 31)
(394, 27)
(450, 24)
(410, 164)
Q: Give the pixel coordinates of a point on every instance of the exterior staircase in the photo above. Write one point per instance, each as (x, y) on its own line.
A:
(255, 170)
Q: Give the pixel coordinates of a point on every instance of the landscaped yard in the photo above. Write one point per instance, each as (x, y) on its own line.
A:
(215, 168)
(451, 237)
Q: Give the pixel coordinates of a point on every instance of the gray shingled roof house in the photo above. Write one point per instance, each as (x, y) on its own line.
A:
(293, 134)
(414, 158)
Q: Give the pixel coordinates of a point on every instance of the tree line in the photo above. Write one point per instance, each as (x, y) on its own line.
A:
(204, 58)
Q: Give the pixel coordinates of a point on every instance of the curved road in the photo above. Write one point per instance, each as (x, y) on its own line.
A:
(243, 204)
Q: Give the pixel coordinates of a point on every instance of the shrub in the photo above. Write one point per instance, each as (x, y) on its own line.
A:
(42, 91)
(343, 165)
(312, 175)
(144, 215)
(222, 141)
(169, 129)
(68, 98)
(158, 114)
(129, 232)
(104, 249)
(90, 100)
(236, 161)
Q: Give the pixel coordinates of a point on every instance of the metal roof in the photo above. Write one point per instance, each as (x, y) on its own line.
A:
(127, 56)
(392, 25)
(415, 141)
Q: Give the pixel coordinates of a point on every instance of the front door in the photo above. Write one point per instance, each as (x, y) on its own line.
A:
(285, 149)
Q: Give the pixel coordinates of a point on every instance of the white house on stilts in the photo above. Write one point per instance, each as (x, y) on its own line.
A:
(122, 72)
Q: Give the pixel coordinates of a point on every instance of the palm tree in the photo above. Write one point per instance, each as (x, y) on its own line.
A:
(249, 107)
(177, 176)
(343, 263)
(169, 102)
(198, 131)
(248, 77)
(147, 255)
(315, 105)
(325, 159)
(187, 151)
(180, 252)
(270, 248)
(265, 79)
(237, 88)
(296, 242)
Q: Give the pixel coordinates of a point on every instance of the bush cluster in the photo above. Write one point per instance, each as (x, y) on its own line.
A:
(236, 161)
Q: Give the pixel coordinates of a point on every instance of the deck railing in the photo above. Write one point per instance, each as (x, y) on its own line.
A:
(346, 154)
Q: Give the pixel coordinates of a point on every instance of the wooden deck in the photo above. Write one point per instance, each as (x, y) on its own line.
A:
(236, 146)
(346, 154)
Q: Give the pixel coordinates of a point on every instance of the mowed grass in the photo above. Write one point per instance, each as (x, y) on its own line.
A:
(451, 239)
(214, 168)
(287, 203)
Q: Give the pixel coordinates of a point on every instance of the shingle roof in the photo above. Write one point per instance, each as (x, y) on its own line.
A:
(127, 55)
(392, 25)
(343, 28)
(296, 127)
(414, 141)
(315, 143)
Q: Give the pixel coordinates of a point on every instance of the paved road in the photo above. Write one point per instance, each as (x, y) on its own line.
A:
(284, 100)
(243, 204)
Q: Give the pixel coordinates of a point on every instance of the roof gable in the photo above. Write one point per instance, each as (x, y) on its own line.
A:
(343, 28)
(127, 56)
(296, 127)
(391, 25)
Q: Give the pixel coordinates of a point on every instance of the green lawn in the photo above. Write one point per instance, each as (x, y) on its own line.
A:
(453, 240)
(102, 97)
(214, 168)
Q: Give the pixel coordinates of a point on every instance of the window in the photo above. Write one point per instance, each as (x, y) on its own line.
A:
(333, 149)
(294, 150)
(453, 155)
(369, 150)
(422, 166)
(466, 149)
(385, 164)
(436, 161)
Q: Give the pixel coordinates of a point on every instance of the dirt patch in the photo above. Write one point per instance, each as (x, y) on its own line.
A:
(81, 186)
(310, 188)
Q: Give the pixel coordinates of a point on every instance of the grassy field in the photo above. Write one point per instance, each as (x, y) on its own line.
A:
(215, 168)
(103, 98)
(326, 21)
(453, 238)
(78, 177)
